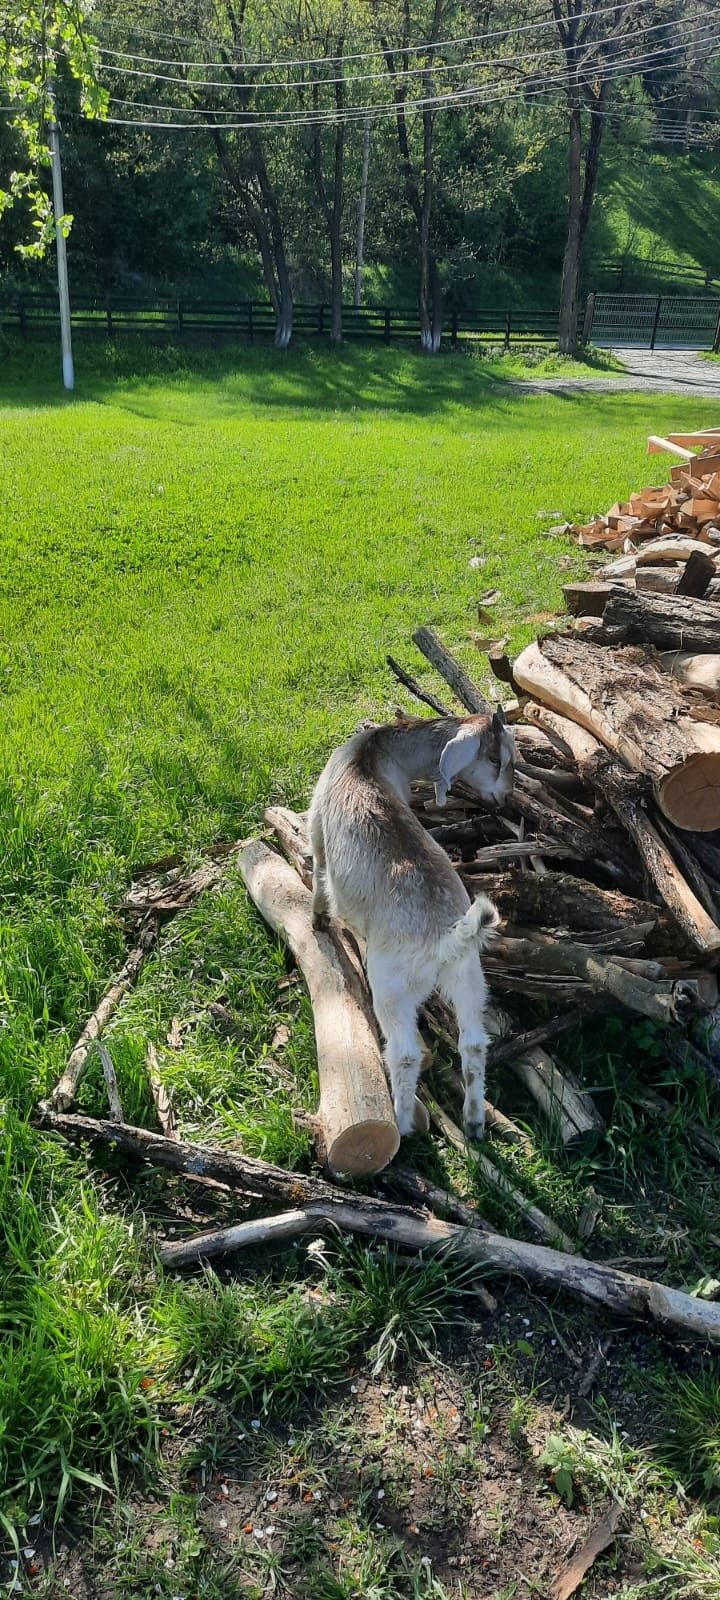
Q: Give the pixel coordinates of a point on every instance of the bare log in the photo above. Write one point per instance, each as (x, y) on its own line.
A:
(355, 1111)
(573, 904)
(261, 1231)
(462, 686)
(693, 671)
(628, 802)
(412, 684)
(638, 716)
(603, 1287)
(637, 985)
(670, 622)
(65, 1089)
(113, 1093)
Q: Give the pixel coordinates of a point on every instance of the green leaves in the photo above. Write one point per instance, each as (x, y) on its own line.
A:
(37, 38)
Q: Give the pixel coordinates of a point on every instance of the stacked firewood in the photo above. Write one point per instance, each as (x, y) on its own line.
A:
(689, 505)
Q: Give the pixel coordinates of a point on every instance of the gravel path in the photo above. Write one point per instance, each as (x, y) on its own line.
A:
(652, 371)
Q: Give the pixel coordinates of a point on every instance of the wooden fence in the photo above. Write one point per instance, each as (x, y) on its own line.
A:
(109, 315)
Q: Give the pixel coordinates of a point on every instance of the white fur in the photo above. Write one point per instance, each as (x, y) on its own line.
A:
(376, 868)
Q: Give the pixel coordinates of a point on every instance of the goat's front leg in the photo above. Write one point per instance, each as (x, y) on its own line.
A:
(320, 900)
(464, 986)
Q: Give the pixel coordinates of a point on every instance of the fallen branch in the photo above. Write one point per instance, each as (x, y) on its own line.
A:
(113, 1093)
(66, 1088)
(597, 1540)
(161, 1098)
(543, 1226)
(414, 687)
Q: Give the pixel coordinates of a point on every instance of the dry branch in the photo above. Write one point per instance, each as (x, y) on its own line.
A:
(161, 1098)
(65, 1089)
(113, 1093)
(462, 686)
(543, 1226)
(598, 1540)
(412, 684)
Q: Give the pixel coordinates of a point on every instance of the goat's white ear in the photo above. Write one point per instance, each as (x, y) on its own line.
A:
(458, 754)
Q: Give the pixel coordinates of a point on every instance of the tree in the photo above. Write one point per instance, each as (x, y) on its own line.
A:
(38, 38)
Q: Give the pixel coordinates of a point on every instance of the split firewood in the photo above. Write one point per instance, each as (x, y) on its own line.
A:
(698, 575)
(659, 551)
(670, 622)
(421, 694)
(113, 1093)
(543, 1226)
(637, 714)
(598, 1539)
(161, 1098)
(616, 787)
(490, 856)
(462, 686)
(66, 1088)
(693, 671)
(355, 1111)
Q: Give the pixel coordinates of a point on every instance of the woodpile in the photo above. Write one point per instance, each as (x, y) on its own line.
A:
(687, 508)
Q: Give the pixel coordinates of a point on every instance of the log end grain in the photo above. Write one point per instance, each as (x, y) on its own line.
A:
(363, 1149)
(689, 795)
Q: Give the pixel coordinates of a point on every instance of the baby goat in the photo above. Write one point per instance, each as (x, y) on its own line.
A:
(377, 868)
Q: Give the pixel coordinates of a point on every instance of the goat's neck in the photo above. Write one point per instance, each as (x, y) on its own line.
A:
(404, 754)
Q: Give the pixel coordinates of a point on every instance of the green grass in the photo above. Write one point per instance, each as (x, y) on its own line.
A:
(204, 561)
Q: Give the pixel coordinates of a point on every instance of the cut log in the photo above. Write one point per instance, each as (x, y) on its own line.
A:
(66, 1088)
(670, 622)
(678, 549)
(355, 1112)
(693, 671)
(613, 783)
(586, 599)
(462, 686)
(638, 717)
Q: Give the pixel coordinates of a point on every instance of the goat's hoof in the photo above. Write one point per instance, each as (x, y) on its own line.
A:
(421, 1118)
(321, 921)
(474, 1130)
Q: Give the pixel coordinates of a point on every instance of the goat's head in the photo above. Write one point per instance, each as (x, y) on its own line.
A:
(482, 753)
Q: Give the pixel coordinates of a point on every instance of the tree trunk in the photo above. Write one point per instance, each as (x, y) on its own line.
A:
(284, 311)
(672, 622)
(361, 214)
(638, 714)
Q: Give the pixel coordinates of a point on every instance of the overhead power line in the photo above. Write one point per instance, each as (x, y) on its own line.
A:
(631, 64)
(333, 61)
(411, 49)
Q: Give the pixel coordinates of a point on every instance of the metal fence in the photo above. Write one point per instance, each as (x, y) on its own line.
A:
(692, 321)
(179, 316)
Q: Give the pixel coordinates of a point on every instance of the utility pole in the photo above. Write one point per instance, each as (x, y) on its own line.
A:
(362, 207)
(68, 369)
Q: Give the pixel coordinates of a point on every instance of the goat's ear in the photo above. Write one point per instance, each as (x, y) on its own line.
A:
(498, 721)
(458, 754)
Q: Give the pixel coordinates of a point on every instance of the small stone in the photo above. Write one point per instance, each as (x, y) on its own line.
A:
(256, 1424)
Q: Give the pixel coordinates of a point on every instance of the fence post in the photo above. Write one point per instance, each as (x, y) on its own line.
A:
(508, 328)
(250, 327)
(21, 314)
(655, 323)
(179, 315)
(386, 330)
(454, 328)
(108, 318)
(716, 340)
(321, 318)
(589, 318)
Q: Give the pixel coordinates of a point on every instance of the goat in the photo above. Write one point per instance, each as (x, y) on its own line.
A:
(376, 868)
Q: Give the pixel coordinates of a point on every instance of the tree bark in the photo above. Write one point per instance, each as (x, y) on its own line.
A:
(569, 281)
(672, 622)
(637, 714)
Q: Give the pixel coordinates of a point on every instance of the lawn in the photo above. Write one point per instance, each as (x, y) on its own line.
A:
(204, 563)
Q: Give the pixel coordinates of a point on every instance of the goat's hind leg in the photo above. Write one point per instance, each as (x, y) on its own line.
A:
(463, 984)
(396, 1008)
(320, 900)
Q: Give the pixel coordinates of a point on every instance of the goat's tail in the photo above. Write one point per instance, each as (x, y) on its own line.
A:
(476, 927)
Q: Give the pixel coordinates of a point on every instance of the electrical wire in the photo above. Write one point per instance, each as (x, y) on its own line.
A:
(415, 49)
(646, 64)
